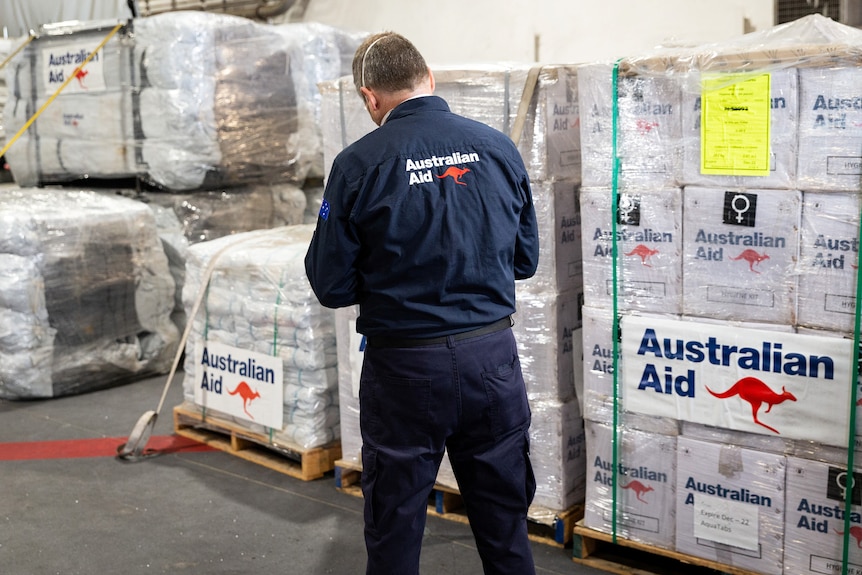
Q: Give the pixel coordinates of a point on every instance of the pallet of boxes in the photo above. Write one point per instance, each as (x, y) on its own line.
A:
(169, 172)
(538, 107)
(720, 205)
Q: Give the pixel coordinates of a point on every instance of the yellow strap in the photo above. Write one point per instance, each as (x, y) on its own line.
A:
(13, 54)
(60, 89)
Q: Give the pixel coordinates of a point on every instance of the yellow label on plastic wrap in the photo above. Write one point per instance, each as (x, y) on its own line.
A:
(735, 124)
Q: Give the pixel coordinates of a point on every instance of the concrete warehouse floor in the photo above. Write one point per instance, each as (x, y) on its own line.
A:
(69, 507)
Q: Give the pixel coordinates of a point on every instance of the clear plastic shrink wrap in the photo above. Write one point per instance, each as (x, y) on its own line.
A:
(547, 329)
(558, 214)
(558, 454)
(349, 369)
(85, 297)
(184, 100)
(258, 299)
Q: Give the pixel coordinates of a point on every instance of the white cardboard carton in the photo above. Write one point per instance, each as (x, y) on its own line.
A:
(739, 254)
(646, 474)
(730, 505)
(649, 242)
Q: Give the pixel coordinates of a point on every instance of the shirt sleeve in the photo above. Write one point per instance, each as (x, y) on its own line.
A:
(331, 257)
(527, 241)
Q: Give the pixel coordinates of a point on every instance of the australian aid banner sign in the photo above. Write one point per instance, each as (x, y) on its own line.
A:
(243, 383)
(784, 384)
(65, 60)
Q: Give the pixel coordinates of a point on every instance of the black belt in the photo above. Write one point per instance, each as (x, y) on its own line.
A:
(380, 342)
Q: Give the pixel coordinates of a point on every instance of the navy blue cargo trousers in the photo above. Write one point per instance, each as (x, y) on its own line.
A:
(466, 395)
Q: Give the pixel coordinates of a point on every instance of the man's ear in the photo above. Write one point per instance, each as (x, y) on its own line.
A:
(431, 78)
(371, 101)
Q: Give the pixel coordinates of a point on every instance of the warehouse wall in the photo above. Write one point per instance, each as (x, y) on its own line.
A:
(455, 31)
(449, 31)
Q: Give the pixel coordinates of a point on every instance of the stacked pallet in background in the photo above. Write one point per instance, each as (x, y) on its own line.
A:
(85, 294)
(183, 100)
(736, 232)
(547, 322)
(208, 121)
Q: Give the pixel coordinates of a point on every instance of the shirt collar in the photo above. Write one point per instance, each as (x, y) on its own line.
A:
(386, 117)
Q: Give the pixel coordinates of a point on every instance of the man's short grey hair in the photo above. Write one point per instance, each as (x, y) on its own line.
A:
(389, 62)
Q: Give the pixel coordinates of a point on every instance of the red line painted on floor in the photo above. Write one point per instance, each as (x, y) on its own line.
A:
(97, 447)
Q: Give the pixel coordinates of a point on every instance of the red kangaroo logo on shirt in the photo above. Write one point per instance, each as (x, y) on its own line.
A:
(79, 76)
(644, 253)
(639, 489)
(756, 393)
(455, 173)
(855, 533)
(246, 394)
(752, 257)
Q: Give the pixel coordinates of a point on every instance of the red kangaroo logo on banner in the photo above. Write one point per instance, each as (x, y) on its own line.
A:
(756, 393)
(246, 394)
(752, 257)
(455, 173)
(855, 533)
(639, 489)
(644, 253)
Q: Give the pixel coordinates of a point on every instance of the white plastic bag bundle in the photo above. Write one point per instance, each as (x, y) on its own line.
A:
(258, 299)
(86, 294)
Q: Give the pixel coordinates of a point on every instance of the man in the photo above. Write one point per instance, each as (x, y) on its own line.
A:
(426, 223)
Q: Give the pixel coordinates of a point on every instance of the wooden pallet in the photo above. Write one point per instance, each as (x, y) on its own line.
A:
(284, 457)
(544, 525)
(625, 557)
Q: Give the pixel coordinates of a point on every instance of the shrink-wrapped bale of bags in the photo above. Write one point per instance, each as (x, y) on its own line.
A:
(85, 295)
(183, 100)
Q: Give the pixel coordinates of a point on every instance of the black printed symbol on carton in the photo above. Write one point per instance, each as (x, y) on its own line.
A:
(839, 481)
(740, 209)
(629, 210)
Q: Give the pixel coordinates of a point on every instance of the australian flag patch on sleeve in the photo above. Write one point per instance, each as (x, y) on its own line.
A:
(324, 210)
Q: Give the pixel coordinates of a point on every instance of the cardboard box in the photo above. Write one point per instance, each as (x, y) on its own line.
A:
(730, 505)
(739, 254)
(644, 510)
(649, 241)
(828, 256)
(814, 518)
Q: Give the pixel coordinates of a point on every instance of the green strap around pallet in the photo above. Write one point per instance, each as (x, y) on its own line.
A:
(615, 174)
(851, 434)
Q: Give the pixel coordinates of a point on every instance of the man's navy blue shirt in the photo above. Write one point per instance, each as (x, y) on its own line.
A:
(426, 223)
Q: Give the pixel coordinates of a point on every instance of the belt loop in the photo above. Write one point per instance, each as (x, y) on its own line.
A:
(450, 341)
